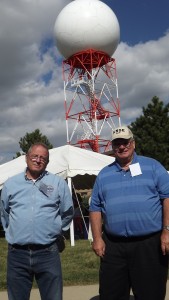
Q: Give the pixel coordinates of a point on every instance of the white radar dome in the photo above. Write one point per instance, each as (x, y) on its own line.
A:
(86, 24)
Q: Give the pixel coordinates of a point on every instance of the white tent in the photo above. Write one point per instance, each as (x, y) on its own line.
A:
(67, 161)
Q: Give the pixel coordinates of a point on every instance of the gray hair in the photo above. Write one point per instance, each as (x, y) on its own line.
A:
(38, 144)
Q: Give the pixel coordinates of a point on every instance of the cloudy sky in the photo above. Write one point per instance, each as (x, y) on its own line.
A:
(31, 85)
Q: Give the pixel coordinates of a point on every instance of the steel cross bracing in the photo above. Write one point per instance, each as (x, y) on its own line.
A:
(92, 106)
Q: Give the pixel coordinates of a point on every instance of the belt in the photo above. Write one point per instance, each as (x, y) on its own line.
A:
(115, 238)
(32, 247)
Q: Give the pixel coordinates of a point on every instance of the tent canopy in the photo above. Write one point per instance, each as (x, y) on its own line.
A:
(66, 161)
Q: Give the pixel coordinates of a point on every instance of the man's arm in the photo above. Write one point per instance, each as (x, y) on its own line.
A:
(98, 244)
(4, 209)
(165, 232)
(66, 205)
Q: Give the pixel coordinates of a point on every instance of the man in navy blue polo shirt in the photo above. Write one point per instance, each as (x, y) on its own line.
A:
(129, 214)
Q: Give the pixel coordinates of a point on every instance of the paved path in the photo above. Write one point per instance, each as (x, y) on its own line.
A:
(69, 293)
(88, 292)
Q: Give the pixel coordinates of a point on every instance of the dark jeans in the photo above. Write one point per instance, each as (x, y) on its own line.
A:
(137, 264)
(43, 264)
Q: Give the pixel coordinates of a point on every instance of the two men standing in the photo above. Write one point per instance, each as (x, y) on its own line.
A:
(129, 214)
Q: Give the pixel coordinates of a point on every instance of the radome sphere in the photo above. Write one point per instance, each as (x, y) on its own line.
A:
(86, 24)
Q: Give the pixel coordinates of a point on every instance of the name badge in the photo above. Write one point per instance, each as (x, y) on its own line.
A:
(46, 189)
(135, 169)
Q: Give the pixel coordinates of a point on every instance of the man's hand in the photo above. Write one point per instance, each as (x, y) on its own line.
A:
(98, 247)
(165, 242)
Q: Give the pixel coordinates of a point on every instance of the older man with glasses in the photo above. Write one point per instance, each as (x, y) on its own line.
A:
(129, 214)
(36, 207)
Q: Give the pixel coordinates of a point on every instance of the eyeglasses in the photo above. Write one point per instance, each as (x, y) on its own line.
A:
(43, 159)
(124, 143)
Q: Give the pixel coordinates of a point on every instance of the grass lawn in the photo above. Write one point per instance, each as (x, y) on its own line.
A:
(79, 264)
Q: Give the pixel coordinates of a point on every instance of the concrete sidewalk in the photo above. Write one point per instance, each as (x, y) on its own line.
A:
(87, 292)
(69, 293)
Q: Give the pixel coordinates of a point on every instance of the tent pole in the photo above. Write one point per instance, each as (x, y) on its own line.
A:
(72, 238)
(90, 236)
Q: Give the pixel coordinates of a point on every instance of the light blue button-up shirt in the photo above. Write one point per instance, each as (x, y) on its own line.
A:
(35, 212)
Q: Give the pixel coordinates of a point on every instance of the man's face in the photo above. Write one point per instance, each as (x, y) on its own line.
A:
(123, 149)
(37, 160)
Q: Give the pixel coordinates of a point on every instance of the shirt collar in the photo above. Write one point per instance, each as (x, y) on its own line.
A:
(119, 168)
(39, 178)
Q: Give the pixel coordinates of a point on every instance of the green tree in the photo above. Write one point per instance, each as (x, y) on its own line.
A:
(151, 131)
(31, 138)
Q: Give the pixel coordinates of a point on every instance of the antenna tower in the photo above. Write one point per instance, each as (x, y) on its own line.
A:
(92, 106)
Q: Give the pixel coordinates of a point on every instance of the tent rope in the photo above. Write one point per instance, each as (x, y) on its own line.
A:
(80, 209)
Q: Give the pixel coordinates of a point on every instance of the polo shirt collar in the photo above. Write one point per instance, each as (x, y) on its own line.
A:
(119, 168)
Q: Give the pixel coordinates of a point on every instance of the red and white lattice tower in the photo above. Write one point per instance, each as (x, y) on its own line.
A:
(87, 34)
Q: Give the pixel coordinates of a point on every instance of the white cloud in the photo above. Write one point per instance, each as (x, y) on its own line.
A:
(26, 103)
(142, 73)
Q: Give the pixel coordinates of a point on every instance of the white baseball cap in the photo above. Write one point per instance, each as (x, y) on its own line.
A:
(122, 132)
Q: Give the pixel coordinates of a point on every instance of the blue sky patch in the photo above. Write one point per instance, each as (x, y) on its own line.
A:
(47, 77)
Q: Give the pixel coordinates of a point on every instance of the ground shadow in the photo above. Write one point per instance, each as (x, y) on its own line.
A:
(97, 298)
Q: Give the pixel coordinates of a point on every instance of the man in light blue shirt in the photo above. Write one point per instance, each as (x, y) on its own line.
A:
(36, 207)
(129, 216)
